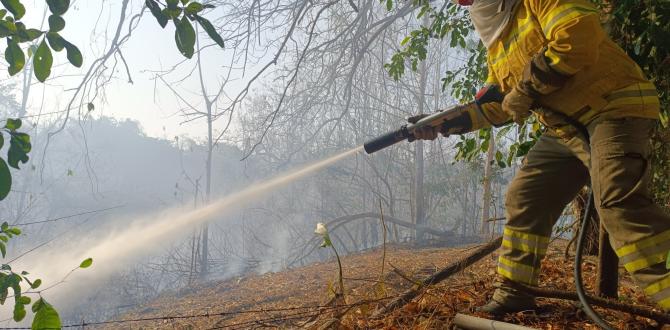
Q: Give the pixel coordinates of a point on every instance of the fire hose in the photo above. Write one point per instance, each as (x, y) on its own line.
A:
(444, 118)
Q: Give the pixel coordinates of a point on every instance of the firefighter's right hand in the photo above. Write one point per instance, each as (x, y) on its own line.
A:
(426, 132)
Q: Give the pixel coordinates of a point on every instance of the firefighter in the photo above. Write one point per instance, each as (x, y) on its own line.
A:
(553, 56)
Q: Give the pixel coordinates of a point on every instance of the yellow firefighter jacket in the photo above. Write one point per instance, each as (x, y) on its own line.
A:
(604, 82)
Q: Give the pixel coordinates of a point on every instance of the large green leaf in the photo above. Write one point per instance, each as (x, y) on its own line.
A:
(56, 23)
(58, 7)
(14, 56)
(46, 317)
(184, 37)
(73, 54)
(156, 11)
(211, 31)
(42, 62)
(15, 7)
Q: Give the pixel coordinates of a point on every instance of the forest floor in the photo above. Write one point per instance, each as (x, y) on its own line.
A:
(299, 297)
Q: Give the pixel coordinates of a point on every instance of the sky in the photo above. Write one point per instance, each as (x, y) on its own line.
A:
(89, 23)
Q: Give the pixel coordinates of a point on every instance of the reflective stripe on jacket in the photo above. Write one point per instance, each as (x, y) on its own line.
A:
(604, 82)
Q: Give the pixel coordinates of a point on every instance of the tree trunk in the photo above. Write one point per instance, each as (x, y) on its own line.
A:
(419, 200)
(486, 196)
(608, 268)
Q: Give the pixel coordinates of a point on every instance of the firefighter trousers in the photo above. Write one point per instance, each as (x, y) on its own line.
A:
(555, 169)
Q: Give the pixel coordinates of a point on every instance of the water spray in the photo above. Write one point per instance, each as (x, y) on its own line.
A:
(146, 234)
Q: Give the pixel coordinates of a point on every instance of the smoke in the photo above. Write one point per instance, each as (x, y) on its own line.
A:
(146, 235)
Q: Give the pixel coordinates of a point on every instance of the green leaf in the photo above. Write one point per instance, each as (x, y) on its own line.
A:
(19, 147)
(46, 317)
(172, 4)
(211, 31)
(14, 56)
(26, 35)
(171, 13)
(3, 249)
(156, 11)
(24, 300)
(14, 230)
(56, 42)
(7, 28)
(86, 263)
(4, 238)
(90, 107)
(56, 23)
(194, 8)
(3, 12)
(36, 284)
(389, 4)
(74, 55)
(19, 312)
(42, 62)
(5, 179)
(31, 50)
(58, 7)
(184, 37)
(15, 7)
(13, 124)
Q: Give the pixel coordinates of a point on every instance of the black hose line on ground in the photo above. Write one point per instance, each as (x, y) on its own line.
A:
(581, 240)
(579, 284)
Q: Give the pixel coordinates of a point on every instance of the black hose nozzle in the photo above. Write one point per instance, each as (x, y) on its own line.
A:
(387, 140)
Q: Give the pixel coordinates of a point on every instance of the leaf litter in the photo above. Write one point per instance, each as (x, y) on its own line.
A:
(304, 297)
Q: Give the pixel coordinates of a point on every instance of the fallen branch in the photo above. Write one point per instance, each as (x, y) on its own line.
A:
(441, 275)
(477, 323)
(659, 317)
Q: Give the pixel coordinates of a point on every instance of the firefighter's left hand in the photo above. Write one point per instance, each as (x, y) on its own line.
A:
(426, 132)
(517, 105)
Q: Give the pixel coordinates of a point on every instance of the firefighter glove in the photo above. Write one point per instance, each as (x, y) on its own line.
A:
(426, 132)
(517, 105)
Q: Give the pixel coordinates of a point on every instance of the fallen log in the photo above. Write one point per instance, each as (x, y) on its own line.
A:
(469, 322)
(441, 275)
(662, 318)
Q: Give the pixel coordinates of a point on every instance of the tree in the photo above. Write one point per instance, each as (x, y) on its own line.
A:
(40, 51)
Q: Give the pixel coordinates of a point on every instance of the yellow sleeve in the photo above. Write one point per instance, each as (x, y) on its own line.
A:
(491, 114)
(573, 30)
(490, 77)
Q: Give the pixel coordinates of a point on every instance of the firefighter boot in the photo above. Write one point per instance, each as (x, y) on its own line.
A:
(507, 300)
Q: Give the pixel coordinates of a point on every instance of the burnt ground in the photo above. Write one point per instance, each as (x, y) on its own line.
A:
(300, 297)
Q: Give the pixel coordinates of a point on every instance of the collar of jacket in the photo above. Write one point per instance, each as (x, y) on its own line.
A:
(491, 17)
